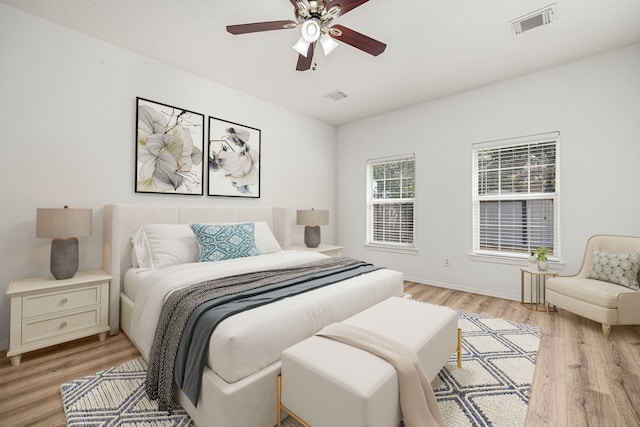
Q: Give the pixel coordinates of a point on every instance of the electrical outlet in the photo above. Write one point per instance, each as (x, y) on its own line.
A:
(447, 262)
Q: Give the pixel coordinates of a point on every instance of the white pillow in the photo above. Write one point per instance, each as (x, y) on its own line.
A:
(163, 245)
(265, 240)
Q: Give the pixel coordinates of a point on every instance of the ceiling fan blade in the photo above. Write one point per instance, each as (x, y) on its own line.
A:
(357, 40)
(304, 63)
(261, 26)
(345, 5)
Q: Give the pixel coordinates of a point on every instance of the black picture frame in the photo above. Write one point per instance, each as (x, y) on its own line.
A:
(233, 159)
(169, 149)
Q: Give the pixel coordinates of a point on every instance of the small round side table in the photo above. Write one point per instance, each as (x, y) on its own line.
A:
(537, 279)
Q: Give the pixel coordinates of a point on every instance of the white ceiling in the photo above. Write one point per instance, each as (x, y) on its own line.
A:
(434, 48)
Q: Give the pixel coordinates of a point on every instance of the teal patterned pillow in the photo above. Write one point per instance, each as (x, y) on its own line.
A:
(217, 242)
(621, 269)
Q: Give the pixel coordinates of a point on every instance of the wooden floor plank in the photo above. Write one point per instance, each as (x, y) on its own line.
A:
(31, 391)
(624, 384)
(580, 379)
(549, 390)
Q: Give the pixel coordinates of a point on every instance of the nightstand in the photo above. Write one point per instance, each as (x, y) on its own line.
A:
(330, 250)
(45, 311)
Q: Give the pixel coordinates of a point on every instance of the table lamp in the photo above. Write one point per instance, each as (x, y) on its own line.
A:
(64, 226)
(312, 220)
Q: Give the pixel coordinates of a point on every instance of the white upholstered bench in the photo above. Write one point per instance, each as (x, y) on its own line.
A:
(325, 383)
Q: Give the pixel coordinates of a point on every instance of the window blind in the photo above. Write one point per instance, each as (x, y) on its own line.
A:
(391, 201)
(515, 196)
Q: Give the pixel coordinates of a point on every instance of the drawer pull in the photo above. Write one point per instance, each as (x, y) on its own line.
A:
(63, 325)
(64, 301)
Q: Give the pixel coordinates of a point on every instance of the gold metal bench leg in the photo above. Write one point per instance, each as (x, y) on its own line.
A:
(281, 408)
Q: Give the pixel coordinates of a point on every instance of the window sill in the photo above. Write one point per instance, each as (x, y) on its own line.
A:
(496, 259)
(392, 249)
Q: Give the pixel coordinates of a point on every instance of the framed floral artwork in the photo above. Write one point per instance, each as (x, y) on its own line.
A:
(169, 149)
(234, 159)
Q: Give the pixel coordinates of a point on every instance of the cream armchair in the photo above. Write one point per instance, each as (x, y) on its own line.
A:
(598, 298)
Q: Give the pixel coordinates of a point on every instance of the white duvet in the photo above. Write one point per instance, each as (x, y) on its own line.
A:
(251, 340)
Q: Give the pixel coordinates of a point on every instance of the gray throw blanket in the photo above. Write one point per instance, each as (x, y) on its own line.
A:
(181, 303)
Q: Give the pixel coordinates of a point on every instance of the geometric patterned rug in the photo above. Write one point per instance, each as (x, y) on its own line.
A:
(493, 386)
(491, 389)
(116, 397)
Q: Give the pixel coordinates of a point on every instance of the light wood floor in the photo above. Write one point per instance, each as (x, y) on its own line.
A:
(580, 379)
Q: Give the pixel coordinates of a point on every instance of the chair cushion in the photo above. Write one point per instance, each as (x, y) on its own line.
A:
(621, 269)
(597, 292)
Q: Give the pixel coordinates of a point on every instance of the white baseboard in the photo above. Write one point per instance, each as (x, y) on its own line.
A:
(455, 287)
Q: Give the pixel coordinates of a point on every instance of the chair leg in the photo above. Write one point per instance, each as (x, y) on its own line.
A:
(606, 329)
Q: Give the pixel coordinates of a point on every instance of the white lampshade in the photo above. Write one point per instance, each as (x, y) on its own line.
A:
(311, 30)
(312, 217)
(302, 46)
(310, 33)
(328, 44)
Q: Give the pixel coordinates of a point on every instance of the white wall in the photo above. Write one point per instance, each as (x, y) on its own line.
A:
(67, 120)
(594, 103)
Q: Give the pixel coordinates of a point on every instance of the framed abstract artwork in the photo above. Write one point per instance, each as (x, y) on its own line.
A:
(234, 159)
(169, 149)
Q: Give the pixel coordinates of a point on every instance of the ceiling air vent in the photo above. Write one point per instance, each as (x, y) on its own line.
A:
(537, 18)
(336, 95)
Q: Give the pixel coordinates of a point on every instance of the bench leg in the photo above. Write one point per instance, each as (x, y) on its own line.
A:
(278, 406)
(459, 349)
(281, 408)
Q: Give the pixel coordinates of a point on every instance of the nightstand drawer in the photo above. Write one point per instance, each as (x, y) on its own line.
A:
(56, 302)
(38, 330)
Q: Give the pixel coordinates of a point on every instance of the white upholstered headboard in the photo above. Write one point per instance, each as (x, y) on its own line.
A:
(121, 221)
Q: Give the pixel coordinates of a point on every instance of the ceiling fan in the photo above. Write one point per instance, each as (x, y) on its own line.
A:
(315, 18)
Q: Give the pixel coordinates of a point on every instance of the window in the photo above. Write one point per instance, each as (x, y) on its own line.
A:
(515, 196)
(391, 202)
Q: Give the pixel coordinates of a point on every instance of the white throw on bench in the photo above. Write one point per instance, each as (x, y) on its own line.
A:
(328, 383)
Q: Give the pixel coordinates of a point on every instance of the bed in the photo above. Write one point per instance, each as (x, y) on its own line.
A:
(240, 376)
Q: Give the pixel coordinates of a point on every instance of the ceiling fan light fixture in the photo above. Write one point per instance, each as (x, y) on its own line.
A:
(328, 44)
(302, 7)
(334, 11)
(302, 46)
(311, 30)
